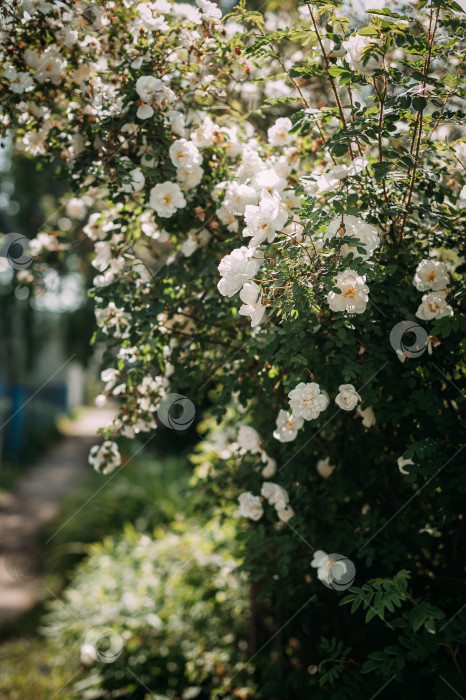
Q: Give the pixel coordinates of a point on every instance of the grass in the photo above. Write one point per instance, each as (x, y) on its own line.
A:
(29, 671)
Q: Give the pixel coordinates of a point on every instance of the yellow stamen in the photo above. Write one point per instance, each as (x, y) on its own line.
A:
(350, 292)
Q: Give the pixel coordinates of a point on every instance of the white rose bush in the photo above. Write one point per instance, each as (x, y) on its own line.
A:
(264, 197)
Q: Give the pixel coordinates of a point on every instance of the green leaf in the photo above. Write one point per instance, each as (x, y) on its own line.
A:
(369, 666)
(340, 149)
(381, 170)
(368, 31)
(419, 103)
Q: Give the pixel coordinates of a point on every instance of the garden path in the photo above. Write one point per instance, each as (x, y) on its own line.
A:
(35, 502)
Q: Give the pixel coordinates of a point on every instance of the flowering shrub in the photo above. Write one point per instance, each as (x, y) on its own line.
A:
(168, 614)
(275, 200)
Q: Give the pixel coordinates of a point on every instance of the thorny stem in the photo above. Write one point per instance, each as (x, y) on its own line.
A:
(176, 331)
(295, 84)
(288, 235)
(419, 120)
(444, 103)
(361, 152)
(324, 141)
(332, 82)
(381, 95)
(453, 656)
(311, 241)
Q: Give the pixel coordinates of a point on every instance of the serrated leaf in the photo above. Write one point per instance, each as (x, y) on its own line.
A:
(368, 31)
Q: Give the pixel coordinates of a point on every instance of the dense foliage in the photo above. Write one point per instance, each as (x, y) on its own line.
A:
(168, 615)
(312, 165)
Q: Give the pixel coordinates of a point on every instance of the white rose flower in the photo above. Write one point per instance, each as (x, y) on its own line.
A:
(285, 514)
(403, 463)
(279, 133)
(324, 468)
(237, 197)
(42, 242)
(189, 179)
(275, 495)
(318, 556)
(204, 134)
(354, 293)
(281, 166)
(67, 36)
(105, 458)
(166, 198)
(210, 11)
(263, 221)
(33, 6)
(348, 397)
(328, 570)
(87, 654)
(94, 228)
(35, 141)
(290, 201)
(268, 179)
(270, 468)
(430, 274)
(105, 260)
(354, 47)
(323, 184)
(252, 306)
(144, 112)
(287, 426)
(152, 91)
(227, 219)
(249, 439)
(250, 506)
(104, 256)
(49, 65)
(236, 269)
(307, 401)
(340, 172)
(136, 181)
(356, 228)
(177, 121)
(367, 415)
(20, 81)
(232, 144)
(461, 203)
(357, 166)
(184, 154)
(434, 305)
(274, 89)
(75, 208)
(194, 240)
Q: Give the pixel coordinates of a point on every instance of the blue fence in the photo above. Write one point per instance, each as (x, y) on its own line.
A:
(26, 411)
